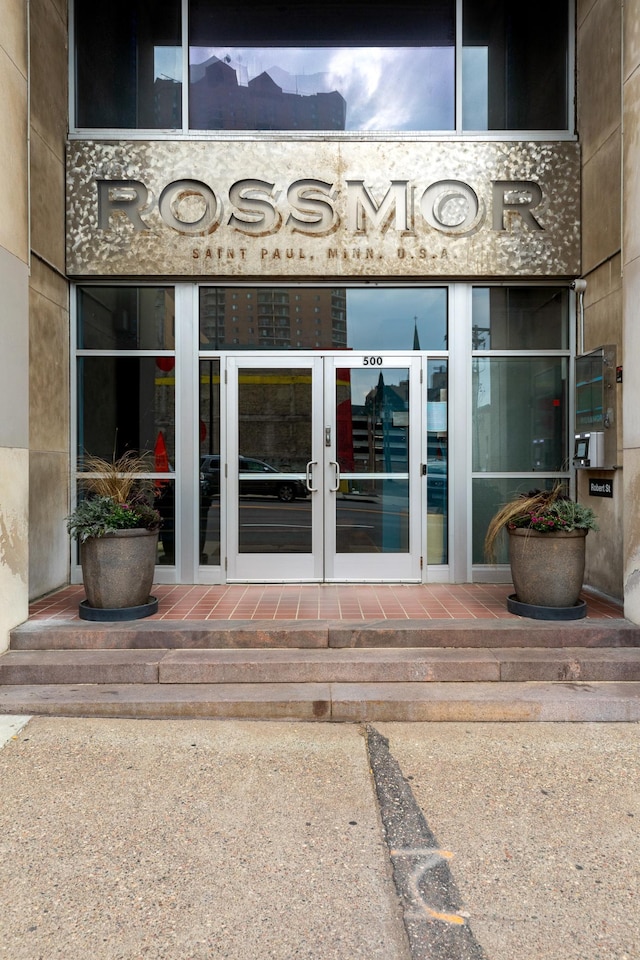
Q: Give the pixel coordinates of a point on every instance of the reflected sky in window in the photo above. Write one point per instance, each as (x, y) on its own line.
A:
(388, 319)
(167, 63)
(475, 88)
(385, 88)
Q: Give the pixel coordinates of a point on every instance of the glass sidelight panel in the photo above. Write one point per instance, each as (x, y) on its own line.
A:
(437, 462)
(127, 318)
(372, 440)
(165, 503)
(126, 403)
(520, 318)
(209, 482)
(274, 444)
(491, 493)
(520, 411)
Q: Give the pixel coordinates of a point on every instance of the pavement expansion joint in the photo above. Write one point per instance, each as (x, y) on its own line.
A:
(437, 925)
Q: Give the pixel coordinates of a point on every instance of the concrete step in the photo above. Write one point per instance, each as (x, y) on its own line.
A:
(312, 634)
(349, 702)
(346, 665)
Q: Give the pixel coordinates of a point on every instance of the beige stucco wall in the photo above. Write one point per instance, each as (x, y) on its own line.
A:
(48, 302)
(14, 256)
(599, 59)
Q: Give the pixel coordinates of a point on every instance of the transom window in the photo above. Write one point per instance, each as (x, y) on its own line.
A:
(350, 66)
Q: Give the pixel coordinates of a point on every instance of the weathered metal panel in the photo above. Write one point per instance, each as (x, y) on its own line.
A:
(341, 209)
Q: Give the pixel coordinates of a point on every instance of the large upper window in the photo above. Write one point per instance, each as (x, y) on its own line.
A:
(327, 318)
(339, 66)
(514, 65)
(128, 64)
(349, 66)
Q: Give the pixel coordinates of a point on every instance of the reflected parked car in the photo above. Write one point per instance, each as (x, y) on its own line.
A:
(268, 483)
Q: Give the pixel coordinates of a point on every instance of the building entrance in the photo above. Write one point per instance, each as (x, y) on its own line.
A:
(324, 433)
(322, 472)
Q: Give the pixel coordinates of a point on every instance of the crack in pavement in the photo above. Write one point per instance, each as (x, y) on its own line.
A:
(436, 926)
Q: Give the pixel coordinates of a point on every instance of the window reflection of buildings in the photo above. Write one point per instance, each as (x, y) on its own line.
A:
(219, 102)
(128, 397)
(481, 398)
(386, 432)
(167, 103)
(273, 318)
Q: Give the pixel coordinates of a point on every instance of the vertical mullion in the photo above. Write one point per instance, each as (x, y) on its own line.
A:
(458, 66)
(187, 498)
(460, 433)
(417, 501)
(573, 307)
(185, 66)
(572, 116)
(76, 573)
(420, 415)
(71, 93)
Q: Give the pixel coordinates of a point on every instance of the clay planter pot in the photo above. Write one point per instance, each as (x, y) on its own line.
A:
(547, 568)
(117, 569)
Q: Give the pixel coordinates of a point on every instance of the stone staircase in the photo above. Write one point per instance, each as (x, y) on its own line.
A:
(466, 670)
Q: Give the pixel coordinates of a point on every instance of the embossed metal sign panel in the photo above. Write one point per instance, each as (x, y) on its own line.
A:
(283, 209)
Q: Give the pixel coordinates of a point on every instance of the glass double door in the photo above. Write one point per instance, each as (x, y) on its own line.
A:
(322, 474)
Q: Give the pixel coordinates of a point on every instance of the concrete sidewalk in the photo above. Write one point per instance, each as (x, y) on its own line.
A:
(193, 839)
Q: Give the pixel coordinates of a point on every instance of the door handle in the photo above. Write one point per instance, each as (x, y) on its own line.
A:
(335, 489)
(311, 464)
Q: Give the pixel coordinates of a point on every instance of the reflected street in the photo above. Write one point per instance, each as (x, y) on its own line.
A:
(363, 526)
(274, 527)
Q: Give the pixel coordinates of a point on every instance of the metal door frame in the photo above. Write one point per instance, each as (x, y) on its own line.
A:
(259, 568)
(323, 564)
(373, 567)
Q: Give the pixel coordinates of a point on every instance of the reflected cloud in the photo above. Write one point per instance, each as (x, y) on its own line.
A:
(385, 88)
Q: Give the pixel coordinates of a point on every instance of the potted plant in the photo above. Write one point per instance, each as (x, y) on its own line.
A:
(547, 532)
(117, 530)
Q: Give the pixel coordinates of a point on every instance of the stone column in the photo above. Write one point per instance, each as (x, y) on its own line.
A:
(631, 303)
(600, 128)
(14, 320)
(48, 302)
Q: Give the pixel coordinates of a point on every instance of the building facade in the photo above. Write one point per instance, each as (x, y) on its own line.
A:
(331, 274)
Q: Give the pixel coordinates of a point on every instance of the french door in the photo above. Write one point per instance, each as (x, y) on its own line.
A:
(322, 472)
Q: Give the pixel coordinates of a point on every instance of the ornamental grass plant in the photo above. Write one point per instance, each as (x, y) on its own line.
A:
(119, 498)
(543, 511)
